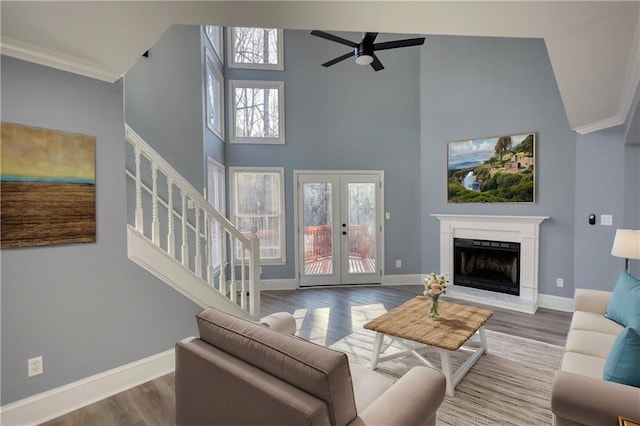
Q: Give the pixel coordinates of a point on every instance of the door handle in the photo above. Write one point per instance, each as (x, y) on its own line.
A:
(344, 232)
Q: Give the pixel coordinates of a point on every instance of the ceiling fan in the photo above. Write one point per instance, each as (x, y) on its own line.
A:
(364, 51)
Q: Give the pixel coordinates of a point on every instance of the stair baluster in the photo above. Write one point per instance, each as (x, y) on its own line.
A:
(194, 275)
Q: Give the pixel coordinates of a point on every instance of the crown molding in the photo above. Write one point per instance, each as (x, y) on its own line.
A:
(629, 87)
(30, 53)
(616, 120)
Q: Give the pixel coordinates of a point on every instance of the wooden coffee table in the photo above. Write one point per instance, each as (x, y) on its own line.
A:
(409, 325)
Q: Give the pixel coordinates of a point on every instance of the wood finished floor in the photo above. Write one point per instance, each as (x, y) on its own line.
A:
(324, 316)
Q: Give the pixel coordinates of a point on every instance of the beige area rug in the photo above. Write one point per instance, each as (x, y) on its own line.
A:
(511, 385)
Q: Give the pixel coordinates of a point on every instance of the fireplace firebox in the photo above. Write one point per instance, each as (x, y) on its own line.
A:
(487, 265)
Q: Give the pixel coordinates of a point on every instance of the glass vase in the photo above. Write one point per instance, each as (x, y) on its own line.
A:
(434, 313)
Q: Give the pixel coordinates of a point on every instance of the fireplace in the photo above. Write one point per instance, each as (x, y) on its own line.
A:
(487, 265)
(502, 234)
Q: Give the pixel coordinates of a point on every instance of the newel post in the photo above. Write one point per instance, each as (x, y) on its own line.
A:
(254, 278)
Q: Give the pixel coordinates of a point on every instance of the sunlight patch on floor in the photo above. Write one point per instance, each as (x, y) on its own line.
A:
(362, 314)
(312, 324)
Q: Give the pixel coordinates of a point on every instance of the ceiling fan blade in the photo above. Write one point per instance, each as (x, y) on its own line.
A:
(376, 64)
(334, 38)
(399, 43)
(338, 59)
(369, 38)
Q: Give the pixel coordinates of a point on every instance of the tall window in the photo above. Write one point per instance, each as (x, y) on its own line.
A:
(214, 34)
(257, 111)
(214, 97)
(257, 199)
(215, 196)
(259, 48)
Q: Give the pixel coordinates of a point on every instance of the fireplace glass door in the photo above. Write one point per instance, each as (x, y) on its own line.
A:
(487, 265)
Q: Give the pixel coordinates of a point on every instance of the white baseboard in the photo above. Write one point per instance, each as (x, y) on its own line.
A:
(48, 405)
(390, 280)
(557, 303)
(280, 284)
(402, 279)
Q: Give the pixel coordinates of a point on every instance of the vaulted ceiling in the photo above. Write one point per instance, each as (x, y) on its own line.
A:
(594, 47)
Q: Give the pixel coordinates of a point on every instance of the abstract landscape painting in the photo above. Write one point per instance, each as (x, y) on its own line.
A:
(48, 187)
(497, 169)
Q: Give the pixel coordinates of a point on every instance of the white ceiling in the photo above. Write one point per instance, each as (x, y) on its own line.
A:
(594, 47)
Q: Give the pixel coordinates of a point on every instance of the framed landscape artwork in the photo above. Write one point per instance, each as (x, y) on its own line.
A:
(499, 169)
(48, 187)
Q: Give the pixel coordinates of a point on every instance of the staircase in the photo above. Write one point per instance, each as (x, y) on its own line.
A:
(174, 233)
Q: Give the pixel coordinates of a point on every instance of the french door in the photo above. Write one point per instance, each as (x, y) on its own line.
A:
(339, 227)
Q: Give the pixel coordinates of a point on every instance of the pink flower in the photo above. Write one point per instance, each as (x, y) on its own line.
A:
(435, 286)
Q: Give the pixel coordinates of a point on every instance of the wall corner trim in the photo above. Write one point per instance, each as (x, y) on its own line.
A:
(48, 405)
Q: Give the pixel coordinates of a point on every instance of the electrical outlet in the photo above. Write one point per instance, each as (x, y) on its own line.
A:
(606, 219)
(559, 282)
(387, 215)
(35, 366)
(398, 263)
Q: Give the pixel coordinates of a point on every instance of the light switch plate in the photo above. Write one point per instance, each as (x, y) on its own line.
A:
(606, 219)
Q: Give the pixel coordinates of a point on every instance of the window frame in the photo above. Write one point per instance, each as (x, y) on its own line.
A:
(216, 72)
(279, 66)
(256, 84)
(215, 166)
(233, 172)
(215, 39)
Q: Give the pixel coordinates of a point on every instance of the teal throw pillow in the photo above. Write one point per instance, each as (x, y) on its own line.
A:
(624, 305)
(623, 362)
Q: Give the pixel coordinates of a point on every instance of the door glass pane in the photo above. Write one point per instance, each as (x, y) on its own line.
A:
(318, 228)
(362, 227)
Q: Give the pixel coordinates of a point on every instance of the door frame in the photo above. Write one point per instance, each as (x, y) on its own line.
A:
(296, 224)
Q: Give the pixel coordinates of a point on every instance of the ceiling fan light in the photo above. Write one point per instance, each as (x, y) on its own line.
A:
(364, 59)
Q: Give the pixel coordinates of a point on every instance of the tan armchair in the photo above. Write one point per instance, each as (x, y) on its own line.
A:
(242, 373)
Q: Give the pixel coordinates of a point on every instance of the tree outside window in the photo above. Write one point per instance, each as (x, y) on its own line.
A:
(257, 111)
(256, 48)
(258, 200)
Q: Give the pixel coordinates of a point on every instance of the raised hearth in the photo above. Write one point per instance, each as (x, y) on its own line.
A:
(516, 229)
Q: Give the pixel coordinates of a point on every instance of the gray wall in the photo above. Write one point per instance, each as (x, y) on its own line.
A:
(164, 100)
(632, 195)
(607, 181)
(476, 87)
(601, 177)
(632, 175)
(347, 117)
(84, 307)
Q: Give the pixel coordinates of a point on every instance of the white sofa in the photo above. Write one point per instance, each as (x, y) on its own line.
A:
(579, 394)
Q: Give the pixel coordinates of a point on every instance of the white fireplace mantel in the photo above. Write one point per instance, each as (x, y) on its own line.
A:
(521, 229)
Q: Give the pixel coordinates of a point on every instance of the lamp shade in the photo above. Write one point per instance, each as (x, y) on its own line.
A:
(626, 244)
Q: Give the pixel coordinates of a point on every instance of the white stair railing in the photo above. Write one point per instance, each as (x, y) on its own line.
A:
(207, 244)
